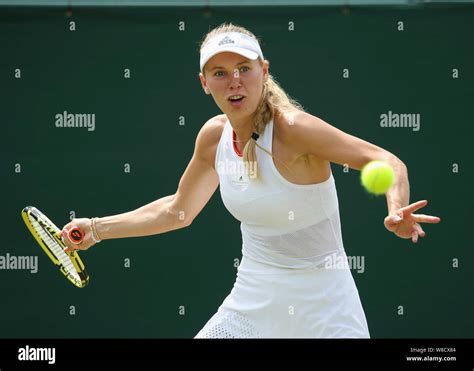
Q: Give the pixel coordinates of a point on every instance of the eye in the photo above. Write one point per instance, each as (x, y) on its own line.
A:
(242, 69)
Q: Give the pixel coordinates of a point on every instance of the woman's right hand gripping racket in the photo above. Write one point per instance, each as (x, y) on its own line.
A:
(50, 238)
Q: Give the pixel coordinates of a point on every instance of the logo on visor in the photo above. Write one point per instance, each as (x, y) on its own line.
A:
(226, 40)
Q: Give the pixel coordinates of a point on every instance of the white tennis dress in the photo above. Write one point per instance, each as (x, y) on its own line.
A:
(285, 286)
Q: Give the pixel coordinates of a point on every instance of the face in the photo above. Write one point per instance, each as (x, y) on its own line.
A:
(228, 74)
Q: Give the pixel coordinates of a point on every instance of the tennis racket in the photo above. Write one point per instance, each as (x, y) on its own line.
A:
(49, 238)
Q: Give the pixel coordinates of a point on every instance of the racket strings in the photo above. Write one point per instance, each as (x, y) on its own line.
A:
(55, 248)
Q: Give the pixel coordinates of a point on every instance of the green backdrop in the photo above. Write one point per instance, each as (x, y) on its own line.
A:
(138, 123)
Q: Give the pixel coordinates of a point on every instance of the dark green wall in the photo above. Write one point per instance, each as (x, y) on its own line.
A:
(64, 169)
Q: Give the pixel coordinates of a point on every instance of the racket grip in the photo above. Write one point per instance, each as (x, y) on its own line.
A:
(75, 235)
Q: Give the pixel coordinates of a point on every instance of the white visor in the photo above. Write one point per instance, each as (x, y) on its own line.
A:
(234, 42)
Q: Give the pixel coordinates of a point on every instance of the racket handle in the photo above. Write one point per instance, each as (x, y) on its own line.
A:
(75, 235)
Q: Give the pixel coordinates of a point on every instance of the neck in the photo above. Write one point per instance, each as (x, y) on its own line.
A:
(243, 128)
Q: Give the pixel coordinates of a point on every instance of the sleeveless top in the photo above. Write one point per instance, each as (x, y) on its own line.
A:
(283, 224)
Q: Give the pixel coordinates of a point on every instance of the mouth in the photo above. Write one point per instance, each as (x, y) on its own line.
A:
(236, 100)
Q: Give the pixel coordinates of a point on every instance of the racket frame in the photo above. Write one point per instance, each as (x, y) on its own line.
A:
(54, 233)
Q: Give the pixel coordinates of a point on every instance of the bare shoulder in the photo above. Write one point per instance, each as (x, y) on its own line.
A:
(296, 127)
(292, 130)
(291, 126)
(211, 131)
(290, 123)
(208, 138)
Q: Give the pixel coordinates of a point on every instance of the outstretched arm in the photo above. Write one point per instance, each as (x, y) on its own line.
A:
(325, 141)
(197, 184)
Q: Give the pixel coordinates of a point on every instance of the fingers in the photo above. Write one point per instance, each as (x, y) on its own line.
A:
(421, 218)
(68, 248)
(71, 247)
(419, 230)
(86, 242)
(414, 236)
(414, 206)
(68, 226)
(64, 237)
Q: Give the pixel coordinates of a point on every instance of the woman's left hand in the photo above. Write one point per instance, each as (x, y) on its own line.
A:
(405, 224)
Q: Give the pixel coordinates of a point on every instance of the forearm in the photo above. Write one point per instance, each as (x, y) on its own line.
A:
(399, 194)
(153, 218)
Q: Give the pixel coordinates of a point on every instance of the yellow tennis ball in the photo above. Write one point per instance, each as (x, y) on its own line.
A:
(377, 177)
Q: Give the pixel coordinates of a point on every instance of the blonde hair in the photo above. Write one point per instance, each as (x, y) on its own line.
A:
(273, 100)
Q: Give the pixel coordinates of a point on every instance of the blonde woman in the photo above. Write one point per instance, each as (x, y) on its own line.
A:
(272, 162)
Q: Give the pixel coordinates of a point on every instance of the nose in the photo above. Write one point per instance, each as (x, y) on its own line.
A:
(235, 79)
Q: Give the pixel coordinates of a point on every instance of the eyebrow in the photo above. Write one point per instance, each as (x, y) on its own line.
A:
(216, 67)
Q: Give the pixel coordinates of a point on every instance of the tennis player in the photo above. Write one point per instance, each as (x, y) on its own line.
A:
(272, 162)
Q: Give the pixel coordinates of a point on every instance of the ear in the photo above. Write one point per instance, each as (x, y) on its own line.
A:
(204, 84)
(265, 67)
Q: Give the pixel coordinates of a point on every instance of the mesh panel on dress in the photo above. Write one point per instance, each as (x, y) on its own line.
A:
(303, 248)
(226, 324)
